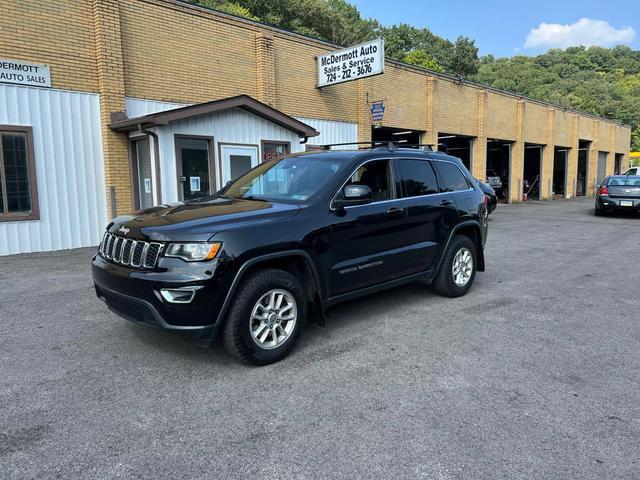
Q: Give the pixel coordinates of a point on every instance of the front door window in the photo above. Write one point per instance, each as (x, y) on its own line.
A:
(194, 167)
(142, 173)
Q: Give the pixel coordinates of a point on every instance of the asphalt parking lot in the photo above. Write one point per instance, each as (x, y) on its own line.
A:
(534, 374)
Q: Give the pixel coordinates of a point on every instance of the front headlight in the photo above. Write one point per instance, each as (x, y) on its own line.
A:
(193, 252)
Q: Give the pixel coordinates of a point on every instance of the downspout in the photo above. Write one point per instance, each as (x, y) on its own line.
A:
(156, 159)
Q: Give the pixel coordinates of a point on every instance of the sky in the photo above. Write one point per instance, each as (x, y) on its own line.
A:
(506, 28)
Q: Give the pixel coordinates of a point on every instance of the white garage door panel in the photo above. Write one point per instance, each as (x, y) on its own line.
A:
(69, 168)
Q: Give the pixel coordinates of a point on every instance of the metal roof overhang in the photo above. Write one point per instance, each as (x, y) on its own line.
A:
(244, 102)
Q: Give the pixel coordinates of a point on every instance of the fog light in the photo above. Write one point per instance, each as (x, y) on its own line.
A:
(179, 295)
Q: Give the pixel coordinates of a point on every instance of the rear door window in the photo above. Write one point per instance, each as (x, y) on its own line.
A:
(416, 177)
(451, 178)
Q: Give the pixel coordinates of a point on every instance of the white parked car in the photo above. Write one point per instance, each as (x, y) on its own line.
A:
(632, 171)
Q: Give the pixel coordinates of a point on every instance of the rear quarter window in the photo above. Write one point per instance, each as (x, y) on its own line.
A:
(451, 178)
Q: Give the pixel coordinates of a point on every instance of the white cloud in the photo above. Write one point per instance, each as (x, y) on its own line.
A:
(586, 31)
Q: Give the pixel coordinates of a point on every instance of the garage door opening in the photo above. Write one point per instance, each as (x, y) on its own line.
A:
(498, 167)
(532, 170)
(583, 166)
(457, 146)
(617, 166)
(602, 167)
(560, 158)
(403, 137)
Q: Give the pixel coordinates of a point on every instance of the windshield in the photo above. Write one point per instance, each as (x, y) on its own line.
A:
(624, 181)
(290, 179)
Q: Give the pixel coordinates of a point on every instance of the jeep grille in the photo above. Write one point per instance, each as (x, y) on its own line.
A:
(128, 252)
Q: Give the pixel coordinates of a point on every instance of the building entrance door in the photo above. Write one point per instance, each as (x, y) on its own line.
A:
(143, 181)
(237, 160)
(194, 167)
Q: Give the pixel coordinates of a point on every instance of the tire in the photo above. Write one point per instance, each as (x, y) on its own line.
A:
(445, 283)
(598, 213)
(242, 318)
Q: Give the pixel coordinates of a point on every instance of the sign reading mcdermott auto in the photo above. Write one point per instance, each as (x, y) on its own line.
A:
(359, 61)
(25, 73)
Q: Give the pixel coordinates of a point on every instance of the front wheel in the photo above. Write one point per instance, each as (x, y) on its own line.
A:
(458, 268)
(267, 317)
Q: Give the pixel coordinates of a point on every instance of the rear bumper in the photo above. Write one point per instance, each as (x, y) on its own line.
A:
(614, 203)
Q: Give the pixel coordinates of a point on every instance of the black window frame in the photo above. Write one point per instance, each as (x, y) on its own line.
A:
(393, 193)
(34, 213)
(441, 182)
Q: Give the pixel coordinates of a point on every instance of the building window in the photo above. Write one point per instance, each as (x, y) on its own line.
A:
(271, 150)
(18, 188)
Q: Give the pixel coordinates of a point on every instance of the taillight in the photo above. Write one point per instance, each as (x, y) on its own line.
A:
(603, 190)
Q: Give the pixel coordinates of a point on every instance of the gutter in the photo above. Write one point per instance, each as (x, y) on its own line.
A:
(156, 159)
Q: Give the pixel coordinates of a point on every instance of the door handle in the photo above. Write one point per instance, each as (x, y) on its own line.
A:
(395, 211)
(446, 203)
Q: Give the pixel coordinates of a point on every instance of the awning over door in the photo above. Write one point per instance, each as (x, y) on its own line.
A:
(244, 102)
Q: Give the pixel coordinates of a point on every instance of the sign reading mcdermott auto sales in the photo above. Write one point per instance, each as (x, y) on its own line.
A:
(359, 61)
(25, 73)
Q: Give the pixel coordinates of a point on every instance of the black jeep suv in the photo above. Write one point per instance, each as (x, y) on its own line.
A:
(290, 238)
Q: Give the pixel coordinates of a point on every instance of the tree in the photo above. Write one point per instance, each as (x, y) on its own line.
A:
(226, 7)
(422, 59)
(635, 139)
(464, 61)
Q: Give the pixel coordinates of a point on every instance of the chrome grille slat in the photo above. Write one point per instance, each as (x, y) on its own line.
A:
(130, 253)
(131, 250)
(114, 245)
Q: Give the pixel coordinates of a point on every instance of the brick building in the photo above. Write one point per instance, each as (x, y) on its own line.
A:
(143, 90)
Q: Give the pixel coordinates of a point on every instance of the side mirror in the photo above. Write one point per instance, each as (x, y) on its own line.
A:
(354, 195)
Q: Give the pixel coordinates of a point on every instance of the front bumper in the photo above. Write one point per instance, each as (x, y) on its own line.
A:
(614, 203)
(135, 294)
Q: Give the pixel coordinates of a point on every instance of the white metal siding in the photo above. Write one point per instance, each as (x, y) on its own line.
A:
(231, 126)
(331, 131)
(137, 107)
(69, 168)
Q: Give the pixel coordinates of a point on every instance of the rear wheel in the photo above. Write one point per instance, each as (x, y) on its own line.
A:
(458, 268)
(267, 317)
(598, 212)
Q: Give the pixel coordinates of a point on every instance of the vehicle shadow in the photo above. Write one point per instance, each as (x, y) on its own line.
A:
(338, 318)
(617, 214)
(386, 302)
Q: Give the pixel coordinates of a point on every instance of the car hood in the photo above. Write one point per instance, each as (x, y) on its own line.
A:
(198, 221)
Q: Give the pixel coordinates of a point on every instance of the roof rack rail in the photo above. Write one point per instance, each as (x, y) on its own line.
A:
(391, 145)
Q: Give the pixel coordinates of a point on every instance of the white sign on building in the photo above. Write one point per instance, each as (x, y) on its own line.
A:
(359, 61)
(25, 73)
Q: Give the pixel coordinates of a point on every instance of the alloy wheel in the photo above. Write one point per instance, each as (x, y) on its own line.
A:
(462, 268)
(273, 319)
